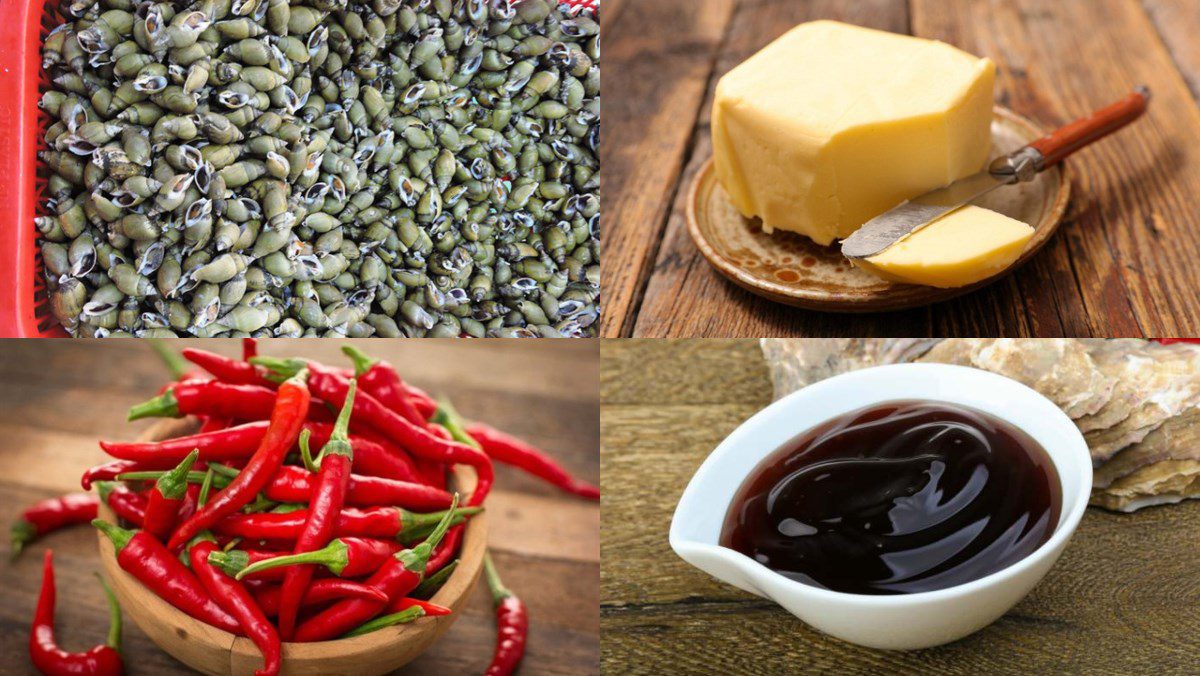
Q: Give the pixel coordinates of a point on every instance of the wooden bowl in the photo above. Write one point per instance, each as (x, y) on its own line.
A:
(213, 651)
(789, 268)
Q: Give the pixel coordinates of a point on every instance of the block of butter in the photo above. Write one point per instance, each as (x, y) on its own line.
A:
(831, 125)
(965, 246)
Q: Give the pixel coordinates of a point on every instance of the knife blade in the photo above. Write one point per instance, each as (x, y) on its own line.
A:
(1023, 164)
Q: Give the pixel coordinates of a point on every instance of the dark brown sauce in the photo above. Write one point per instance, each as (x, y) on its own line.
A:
(897, 498)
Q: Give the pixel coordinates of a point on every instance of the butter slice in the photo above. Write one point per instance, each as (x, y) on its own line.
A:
(831, 125)
(963, 247)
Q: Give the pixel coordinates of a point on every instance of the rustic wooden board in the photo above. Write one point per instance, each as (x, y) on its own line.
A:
(1133, 229)
(1124, 597)
(58, 397)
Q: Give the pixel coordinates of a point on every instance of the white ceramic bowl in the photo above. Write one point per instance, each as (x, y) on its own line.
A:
(905, 621)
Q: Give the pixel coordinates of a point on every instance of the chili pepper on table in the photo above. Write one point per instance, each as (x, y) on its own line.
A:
(512, 623)
(127, 505)
(225, 369)
(380, 380)
(145, 558)
(49, 515)
(344, 557)
(237, 601)
(510, 450)
(331, 387)
(287, 417)
(325, 504)
(320, 591)
(166, 496)
(372, 522)
(103, 660)
(434, 581)
(399, 575)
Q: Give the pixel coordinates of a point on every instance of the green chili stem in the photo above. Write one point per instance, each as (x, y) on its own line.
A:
(306, 456)
(173, 484)
(162, 406)
(119, 536)
(447, 417)
(362, 363)
(402, 617)
(205, 487)
(430, 585)
(499, 591)
(175, 363)
(332, 556)
(416, 558)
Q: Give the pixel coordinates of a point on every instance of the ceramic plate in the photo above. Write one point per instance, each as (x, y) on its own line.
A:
(789, 268)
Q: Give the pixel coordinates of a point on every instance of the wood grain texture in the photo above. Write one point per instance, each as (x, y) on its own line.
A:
(58, 397)
(659, 70)
(1133, 229)
(1124, 597)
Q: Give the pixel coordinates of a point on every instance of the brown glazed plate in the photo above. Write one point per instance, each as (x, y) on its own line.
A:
(789, 268)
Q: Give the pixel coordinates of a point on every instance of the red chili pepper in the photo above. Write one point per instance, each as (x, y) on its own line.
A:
(331, 387)
(399, 575)
(237, 601)
(328, 498)
(403, 603)
(287, 417)
(446, 551)
(51, 514)
(380, 380)
(294, 484)
(165, 498)
(1168, 341)
(372, 522)
(425, 404)
(320, 591)
(127, 505)
(235, 561)
(225, 369)
(149, 561)
(214, 424)
(208, 397)
(249, 349)
(103, 660)
(344, 557)
(403, 617)
(111, 470)
(512, 451)
(234, 443)
(512, 624)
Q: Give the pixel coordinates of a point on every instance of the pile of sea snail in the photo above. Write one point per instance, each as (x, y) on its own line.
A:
(323, 167)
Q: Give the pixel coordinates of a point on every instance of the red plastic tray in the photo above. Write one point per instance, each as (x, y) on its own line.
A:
(24, 306)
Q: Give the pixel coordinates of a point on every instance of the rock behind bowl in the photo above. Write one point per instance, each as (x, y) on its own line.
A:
(213, 651)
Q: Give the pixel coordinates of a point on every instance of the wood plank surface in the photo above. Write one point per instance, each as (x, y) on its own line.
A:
(1124, 597)
(1133, 228)
(658, 70)
(58, 397)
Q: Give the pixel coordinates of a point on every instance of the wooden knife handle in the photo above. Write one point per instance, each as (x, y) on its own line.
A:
(1066, 140)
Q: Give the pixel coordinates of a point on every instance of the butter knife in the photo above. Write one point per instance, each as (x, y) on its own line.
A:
(1019, 166)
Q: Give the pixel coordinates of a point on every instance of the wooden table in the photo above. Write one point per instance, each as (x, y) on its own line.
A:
(1124, 597)
(58, 397)
(1124, 264)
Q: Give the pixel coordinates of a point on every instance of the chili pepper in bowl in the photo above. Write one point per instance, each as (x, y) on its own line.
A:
(145, 558)
(434, 581)
(235, 561)
(344, 557)
(295, 484)
(127, 505)
(332, 387)
(399, 575)
(512, 623)
(403, 603)
(510, 450)
(166, 497)
(289, 411)
(103, 660)
(208, 397)
(325, 504)
(372, 522)
(111, 470)
(51, 514)
(249, 349)
(320, 591)
(232, 443)
(237, 601)
(380, 380)
(225, 369)
(403, 617)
